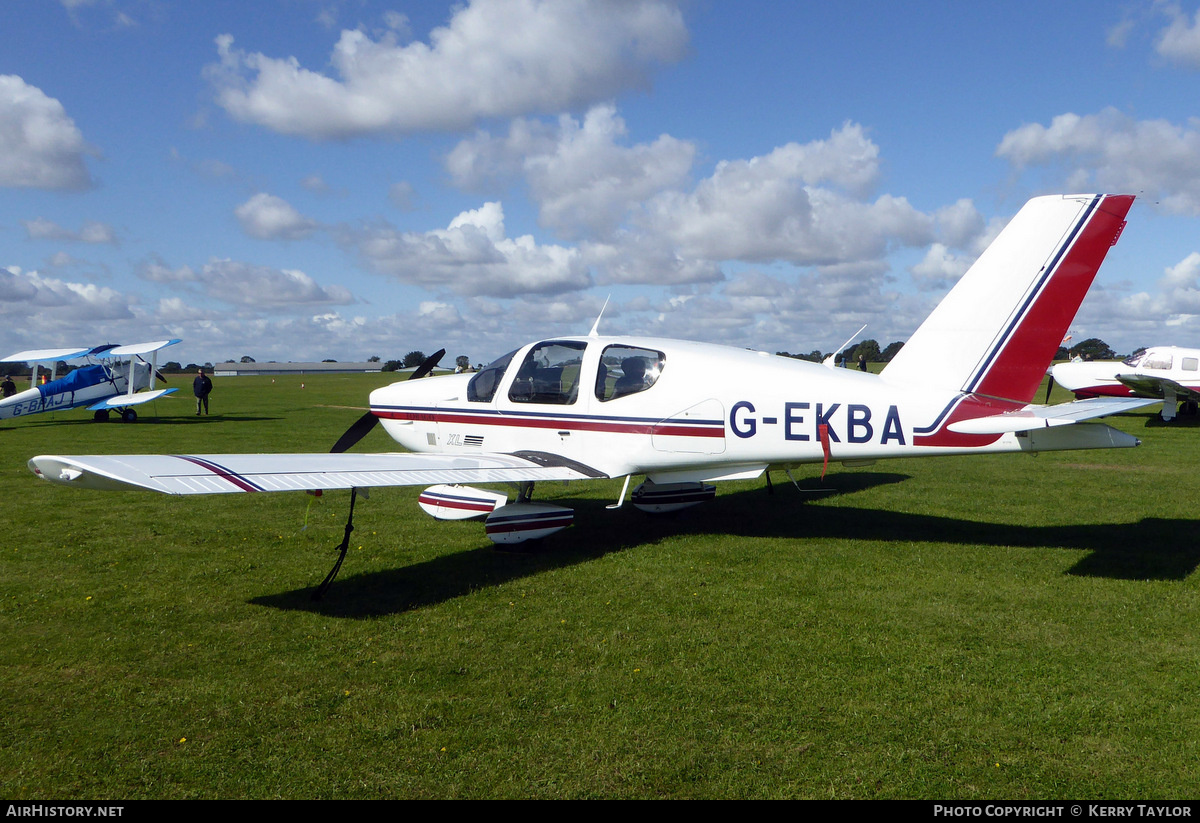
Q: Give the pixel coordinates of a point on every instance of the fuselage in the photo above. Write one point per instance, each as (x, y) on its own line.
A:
(677, 410)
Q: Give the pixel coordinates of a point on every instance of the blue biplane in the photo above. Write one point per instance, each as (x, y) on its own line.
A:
(103, 385)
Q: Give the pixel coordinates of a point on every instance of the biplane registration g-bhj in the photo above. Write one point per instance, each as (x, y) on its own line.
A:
(111, 380)
(683, 415)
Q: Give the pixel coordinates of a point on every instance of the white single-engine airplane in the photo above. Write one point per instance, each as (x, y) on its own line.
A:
(103, 385)
(685, 414)
(1167, 373)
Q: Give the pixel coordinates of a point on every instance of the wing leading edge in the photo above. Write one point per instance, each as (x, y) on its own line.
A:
(120, 401)
(231, 473)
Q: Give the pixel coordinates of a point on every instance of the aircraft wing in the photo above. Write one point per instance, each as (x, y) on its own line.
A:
(43, 355)
(138, 348)
(120, 401)
(227, 473)
(1040, 417)
(1157, 386)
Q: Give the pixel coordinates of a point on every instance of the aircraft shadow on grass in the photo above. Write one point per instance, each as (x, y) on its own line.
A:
(1145, 549)
(1154, 421)
(188, 420)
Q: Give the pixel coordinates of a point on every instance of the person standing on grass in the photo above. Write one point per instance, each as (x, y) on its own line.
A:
(201, 387)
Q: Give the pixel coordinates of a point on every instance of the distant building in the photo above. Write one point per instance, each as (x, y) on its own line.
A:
(247, 369)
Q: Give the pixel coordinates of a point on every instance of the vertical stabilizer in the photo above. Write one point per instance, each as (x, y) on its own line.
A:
(997, 330)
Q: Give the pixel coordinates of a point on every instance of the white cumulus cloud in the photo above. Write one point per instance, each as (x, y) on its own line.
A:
(1111, 151)
(91, 231)
(583, 180)
(268, 217)
(1179, 42)
(472, 256)
(495, 58)
(40, 145)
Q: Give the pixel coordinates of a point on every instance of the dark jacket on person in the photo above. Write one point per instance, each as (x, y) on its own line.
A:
(201, 386)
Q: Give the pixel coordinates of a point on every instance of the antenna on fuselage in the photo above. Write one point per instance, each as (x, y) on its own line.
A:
(595, 332)
(830, 361)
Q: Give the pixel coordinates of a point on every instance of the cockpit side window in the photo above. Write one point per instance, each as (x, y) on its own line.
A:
(1157, 361)
(627, 370)
(482, 387)
(549, 374)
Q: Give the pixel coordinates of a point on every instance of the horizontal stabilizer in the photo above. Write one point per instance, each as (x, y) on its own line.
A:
(1041, 417)
(120, 401)
(228, 473)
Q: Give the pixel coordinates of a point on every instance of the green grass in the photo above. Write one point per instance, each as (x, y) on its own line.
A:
(976, 628)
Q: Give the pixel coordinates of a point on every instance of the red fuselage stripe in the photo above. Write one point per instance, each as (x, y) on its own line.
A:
(657, 429)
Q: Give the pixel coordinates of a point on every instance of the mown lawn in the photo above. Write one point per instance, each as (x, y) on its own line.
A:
(988, 627)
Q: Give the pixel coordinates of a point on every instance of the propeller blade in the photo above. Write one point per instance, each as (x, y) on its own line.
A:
(159, 375)
(361, 427)
(430, 362)
(1049, 388)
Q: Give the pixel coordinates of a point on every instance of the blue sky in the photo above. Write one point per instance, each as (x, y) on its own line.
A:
(306, 179)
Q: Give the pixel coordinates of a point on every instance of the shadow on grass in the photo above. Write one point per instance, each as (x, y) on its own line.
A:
(597, 532)
(1147, 549)
(190, 420)
(1182, 421)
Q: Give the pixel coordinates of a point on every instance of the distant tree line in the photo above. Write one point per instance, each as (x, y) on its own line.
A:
(867, 348)
(174, 367)
(1091, 349)
(417, 357)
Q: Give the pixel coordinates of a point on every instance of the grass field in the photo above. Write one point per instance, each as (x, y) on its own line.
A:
(973, 628)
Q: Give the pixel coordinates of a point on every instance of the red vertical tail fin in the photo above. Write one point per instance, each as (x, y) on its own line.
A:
(997, 330)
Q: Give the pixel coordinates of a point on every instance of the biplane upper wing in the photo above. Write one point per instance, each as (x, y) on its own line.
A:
(228, 473)
(138, 348)
(43, 355)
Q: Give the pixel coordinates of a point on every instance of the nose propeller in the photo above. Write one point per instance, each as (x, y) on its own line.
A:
(363, 425)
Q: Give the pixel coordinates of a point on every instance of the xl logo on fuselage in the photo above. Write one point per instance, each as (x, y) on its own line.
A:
(802, 422)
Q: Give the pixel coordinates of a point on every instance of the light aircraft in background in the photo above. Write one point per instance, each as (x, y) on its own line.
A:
(1168, 373)
(103, 385)
(684, 415)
